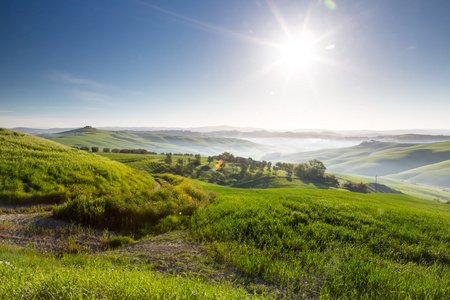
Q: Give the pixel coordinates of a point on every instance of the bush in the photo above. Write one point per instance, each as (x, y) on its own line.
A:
(177, 196)
(118, 241)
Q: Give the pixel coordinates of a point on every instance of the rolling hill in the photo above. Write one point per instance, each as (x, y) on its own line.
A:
(420, 163)
(92, 137)
(36, 170)
(434, 174)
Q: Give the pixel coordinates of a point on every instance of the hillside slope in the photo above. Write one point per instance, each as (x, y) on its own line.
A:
(157, 143)
(34, 169)
(430, 161)
(434, 174)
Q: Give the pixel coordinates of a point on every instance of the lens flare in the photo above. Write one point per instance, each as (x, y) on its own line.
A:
(330, 4)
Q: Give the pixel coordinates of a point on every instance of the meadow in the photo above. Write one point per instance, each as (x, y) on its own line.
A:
(34, 170)
(331, 244)
(28, 275)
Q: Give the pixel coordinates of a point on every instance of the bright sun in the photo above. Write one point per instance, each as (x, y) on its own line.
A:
(296, 53)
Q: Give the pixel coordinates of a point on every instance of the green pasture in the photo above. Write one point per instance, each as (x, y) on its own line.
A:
(34, 170)
(31, 276)
(332, 244)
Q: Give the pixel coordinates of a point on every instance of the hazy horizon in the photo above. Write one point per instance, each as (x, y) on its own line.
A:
(212, 128)
(280, 65)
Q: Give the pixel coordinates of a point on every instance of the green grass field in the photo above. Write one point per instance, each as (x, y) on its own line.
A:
(35, 170)
(332, 244)
(25, 275)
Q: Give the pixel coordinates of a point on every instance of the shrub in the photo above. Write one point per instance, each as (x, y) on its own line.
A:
(118, 241)
(177, 197)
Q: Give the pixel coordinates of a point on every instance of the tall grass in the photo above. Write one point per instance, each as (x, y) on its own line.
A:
(168, 208)
(35, 170)
(30, 276)
(332, 244)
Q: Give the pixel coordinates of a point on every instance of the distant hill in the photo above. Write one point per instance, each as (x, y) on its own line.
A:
(437, 174)
(92, 137)
(405, 136)
(36, 170)
(422, 163)
(40, 131)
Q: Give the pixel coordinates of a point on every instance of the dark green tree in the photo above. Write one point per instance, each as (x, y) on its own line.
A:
(198, 160)
(301, 170)
(317, 169)
(168, 159)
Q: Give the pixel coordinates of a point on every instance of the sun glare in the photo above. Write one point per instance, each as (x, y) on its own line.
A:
(296, 53)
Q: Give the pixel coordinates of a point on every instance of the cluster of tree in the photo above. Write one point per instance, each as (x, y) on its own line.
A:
(181, 154)
(108, 150)
(244, 163)
(133, 151)
(356, 187)
(314, 169)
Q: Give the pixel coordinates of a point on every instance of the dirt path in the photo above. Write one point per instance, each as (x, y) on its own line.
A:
(157, 186)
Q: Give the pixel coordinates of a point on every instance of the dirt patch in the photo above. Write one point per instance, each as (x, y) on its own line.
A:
(39, 231)
(176, 252)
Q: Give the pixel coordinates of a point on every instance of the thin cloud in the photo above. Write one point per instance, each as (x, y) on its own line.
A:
(91, 97)
(65, 77)
(70, 108)
(209, 27)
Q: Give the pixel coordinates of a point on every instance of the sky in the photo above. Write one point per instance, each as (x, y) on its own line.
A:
(274, 64)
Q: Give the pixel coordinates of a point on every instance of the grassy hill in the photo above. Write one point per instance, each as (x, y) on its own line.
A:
(34, 169)
(232, 174)
(419, 191)
(92, 137)
(399, 161)
(434, 174)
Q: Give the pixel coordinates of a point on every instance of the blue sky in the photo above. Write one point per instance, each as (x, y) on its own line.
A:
(275, 64)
